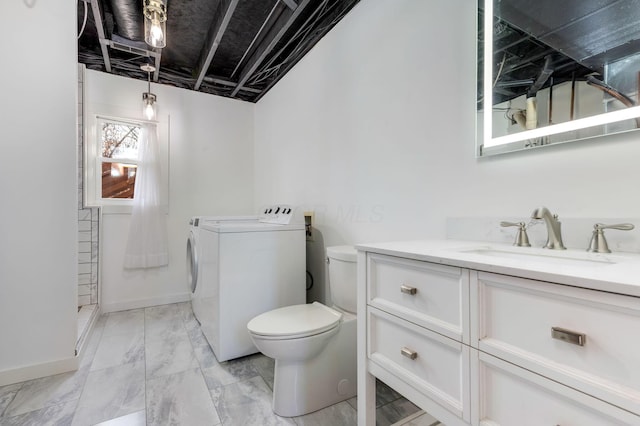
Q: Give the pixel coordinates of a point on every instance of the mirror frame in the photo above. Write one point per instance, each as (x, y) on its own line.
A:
(488, 145)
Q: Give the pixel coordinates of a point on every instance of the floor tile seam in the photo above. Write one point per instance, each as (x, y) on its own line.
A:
(9, 403)
(201, 370)
(125, 363)
(116, 366)
(100, 332)
(84, 382)
(172, 373)
(161, 336)
(76, 400)
(90, 348)
(193, 350)
(261, 375)
(49, 404)
(129, 333)
(205, 385)
(224, 386)
(120, 333)
(144, 364)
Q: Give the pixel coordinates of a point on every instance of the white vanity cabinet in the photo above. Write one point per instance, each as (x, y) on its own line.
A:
(580, 343)
(415, 334)
(474, 347)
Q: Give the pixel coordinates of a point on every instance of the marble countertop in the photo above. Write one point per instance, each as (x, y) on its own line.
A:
(615, 272)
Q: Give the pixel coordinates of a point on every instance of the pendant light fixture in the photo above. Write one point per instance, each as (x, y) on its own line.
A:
(148, 98)
(155, 19)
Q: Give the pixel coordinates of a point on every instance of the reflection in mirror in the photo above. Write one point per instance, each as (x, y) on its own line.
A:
(556, 71)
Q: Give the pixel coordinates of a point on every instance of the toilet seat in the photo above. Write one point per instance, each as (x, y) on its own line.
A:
(293, 322)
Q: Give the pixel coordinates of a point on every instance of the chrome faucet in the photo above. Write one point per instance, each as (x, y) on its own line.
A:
(554, 234)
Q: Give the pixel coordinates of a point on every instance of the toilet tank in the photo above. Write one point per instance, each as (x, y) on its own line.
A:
(342, 276)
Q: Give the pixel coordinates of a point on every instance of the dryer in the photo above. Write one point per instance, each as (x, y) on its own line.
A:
(247, 268)
(194, 278)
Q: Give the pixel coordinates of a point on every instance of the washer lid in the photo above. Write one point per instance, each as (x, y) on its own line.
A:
(295, 321)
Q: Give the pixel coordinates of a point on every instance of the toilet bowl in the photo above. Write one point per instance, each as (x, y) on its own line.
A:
(314, 346)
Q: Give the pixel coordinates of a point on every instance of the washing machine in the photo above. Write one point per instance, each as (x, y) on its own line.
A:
(247, 268)
(194, 254)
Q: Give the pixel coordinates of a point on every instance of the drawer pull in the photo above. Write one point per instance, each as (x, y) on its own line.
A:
(409, 353)
(408, 290)
(568, 336)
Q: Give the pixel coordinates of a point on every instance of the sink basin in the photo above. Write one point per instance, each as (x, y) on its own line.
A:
(568, 258)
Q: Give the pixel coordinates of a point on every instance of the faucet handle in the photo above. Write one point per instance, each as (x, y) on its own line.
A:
(598, 242)
(522, 239)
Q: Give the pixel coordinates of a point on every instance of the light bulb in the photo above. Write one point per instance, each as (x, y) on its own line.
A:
(149, 111)
(157, 37)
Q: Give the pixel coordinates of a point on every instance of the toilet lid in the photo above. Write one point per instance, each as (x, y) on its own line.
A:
(295, 321)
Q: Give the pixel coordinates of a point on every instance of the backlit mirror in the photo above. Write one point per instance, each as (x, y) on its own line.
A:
(554, 71)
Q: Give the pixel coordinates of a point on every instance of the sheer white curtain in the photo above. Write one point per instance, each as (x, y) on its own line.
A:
(147, 245)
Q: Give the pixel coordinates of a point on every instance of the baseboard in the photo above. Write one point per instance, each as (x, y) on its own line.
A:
(36, 371)
(145, 303)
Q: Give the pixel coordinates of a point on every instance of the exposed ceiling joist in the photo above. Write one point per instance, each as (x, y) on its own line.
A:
(285, 20)
(291, 3)
(97, 17)
(220, 23)
(260, 34)
(122, 46)
(289, 64)
(232, 48)
(230, 84)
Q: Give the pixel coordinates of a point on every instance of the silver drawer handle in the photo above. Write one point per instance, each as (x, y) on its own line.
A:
(408, 290)
(568, 336)
(409, 353)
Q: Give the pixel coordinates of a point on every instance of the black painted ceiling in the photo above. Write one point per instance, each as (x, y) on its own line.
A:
(233, 48)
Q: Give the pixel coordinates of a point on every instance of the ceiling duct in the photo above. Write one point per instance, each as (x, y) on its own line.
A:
(128, 18)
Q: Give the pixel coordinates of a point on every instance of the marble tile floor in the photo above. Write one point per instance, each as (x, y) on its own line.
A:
(420, 418)
(153, 366)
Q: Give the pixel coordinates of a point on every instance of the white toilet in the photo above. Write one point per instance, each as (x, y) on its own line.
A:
(314, 345)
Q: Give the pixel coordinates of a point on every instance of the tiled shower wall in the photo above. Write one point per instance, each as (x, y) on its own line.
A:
(87, 222)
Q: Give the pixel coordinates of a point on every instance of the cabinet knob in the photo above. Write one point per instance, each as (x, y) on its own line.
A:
(408, 290)
(409, 353)
(568, 336)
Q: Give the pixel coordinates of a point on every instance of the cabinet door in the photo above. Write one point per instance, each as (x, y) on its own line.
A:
(433, 296)
(584, 338)
(434, 365)
(509, 395)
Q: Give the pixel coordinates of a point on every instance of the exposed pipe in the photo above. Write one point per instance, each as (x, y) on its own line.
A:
(128, 17)
(550, 120)
(84, 21)
(532, 107)
(573, 95)
(626, 101)
(544, 75)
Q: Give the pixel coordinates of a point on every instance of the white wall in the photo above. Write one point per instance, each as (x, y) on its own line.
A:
(210, 173)
(379, 136)
(38, 214)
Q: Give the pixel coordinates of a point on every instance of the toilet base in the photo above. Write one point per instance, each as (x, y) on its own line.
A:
(328, 378)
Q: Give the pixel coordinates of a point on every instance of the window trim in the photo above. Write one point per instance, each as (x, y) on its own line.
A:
(92, 162)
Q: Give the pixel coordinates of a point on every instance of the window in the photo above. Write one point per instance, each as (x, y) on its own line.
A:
(118, 158)
(111, 159)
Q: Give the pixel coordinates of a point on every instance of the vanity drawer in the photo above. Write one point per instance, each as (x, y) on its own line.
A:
(517, 322)
(434, 365)
(509, 395)
(431, 295)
